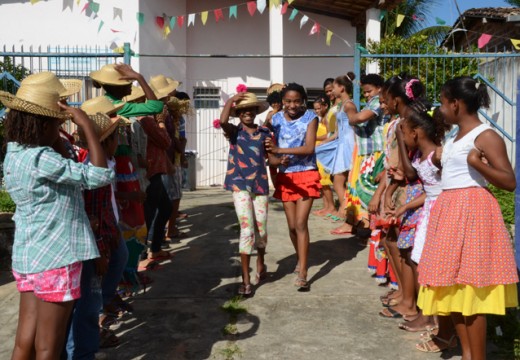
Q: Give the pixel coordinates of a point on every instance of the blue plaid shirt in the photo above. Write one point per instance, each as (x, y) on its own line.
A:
(52, 228)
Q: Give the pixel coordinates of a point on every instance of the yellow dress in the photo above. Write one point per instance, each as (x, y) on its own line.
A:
(325, 177)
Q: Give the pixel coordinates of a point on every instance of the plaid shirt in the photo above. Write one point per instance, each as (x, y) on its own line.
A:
(52, 228)
(369, 135)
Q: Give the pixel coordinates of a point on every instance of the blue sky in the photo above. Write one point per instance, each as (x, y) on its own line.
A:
(448, 12)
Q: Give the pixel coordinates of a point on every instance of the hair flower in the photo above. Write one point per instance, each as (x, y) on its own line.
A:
(216, 123)
(241, 88)
(408, 88)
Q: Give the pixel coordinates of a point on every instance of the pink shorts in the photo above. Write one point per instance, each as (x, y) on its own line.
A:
(56, 285)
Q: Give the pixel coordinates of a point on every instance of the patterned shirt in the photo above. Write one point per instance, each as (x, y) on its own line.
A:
(158, 142)
(291, 134)
(369, 134)
(246, 161)
(52, 228)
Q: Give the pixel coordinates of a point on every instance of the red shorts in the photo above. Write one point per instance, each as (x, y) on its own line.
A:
(298, 185)
(56, 285)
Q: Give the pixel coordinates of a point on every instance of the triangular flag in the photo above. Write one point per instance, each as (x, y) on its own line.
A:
(329, 37)
(483, 40)
(77, 2)
(166, 32)
(118, 12)
(180, 21)
(439, 21)
(315, 29)
(159, 20)
(260, 5)
(274, 3)
(516, 43)
(67, 4)
(233, 11)
(140, 18)
(173, 20)
(304, 20)
(94, 6)
(400, 19)
(284, 8)
(85, 7)
(293, 14)
(101, 23)
(290, 1)
(382, 15)
(191, 19)
(115, 31)
(34, 2)
(204, 17)
(218, 14)
(251, 7)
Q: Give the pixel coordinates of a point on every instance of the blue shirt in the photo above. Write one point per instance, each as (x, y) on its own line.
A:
(246, 161)
(292, 134)
(52, 228)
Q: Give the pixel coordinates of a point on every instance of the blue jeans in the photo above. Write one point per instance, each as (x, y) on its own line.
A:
(83, 336)
(116, 267)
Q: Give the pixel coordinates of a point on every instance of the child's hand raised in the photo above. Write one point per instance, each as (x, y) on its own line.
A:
(126, 71)
(79, 117)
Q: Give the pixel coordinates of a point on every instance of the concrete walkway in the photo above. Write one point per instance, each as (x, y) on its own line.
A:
(180, 316)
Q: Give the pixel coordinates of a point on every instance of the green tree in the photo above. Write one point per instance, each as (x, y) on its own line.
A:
(514, 2)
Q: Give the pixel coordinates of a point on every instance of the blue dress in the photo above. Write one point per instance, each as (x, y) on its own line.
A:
(336, 155)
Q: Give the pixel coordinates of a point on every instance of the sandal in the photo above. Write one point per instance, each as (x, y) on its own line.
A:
(432, 346)
(108, 339)
(245, 290)
(430, 332)
(262, 275)
(390, 303)
(302, 284)
(387, 295)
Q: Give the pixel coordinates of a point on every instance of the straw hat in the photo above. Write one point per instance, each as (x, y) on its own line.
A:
(100, 104)
(64, 87)
(108, 75)
(103, 124)
(249, 101)
(35, 99)
(274, 88)
(137, 93)
(162, 85)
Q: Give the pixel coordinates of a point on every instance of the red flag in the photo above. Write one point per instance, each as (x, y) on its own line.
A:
(85, 7)
(251, 7)
(218, 14)
(159, 20)
(483, 40)
(285, 7)
(315, 29)
(180, 20)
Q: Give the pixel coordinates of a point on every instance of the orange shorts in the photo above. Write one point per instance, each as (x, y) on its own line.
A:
(298, 185)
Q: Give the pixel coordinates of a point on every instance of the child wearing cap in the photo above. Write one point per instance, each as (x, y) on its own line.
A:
(53, 235)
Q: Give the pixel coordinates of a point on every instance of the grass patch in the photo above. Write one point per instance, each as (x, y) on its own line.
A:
(234, 306)
(230, 329)
(231, 352)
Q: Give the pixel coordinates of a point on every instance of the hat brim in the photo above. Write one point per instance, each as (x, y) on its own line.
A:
(107, 132)
(163, 92)
(12, 102)
(99, 77)
(261, 105)
(134, 97)
(276, 87)
(72, 87)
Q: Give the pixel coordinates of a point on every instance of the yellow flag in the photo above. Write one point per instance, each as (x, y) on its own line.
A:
(516, 43)
(290, 1)
(274, 3)
(400, 19)
(166, 32)
(329, 37)
(77, 2)
(34, 1)
(204, 17)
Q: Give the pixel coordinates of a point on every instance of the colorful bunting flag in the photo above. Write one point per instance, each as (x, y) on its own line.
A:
(439, 21)
(94, 7)
(173, 20)
(260, 5)
(77, 2)
(191, 20)
(180, 21)
(118, 12)
(140, 18)
(204, 17)
(483, 40)
(290, 1)
(218, 14)
(101, 23)
(400, 18)
(67, 4)
(275, 3)
(329, 37)
(284, 8)
(85, 7)
(304, 20)
(34, 2)
(516, 43)
(166, 32)
(251, 7)
(293, 14)
(159, 21)
(233, 11)
(315, 29)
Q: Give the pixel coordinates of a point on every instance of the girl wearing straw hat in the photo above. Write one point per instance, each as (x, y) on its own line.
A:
(53, 234)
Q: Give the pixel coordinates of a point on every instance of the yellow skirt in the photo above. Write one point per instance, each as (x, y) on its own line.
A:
(325, 177)
(467, 300)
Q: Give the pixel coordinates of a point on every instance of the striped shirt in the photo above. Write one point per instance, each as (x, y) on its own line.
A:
(52, 228)
(369, 134)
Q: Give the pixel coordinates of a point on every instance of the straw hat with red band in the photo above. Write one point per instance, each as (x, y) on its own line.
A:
(35, 99)
(249, 101)
(162, 86)
(64, 87)
(108, 75)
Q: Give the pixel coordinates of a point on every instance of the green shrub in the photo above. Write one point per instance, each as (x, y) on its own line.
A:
(6, 203)
(506, 200)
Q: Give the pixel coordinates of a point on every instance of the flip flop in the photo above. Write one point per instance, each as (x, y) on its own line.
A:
(389, 303)
(340, 232)
(404, 326)
(391, 314)
(261, 275)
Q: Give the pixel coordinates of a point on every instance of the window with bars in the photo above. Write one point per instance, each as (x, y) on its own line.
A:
(206, 97)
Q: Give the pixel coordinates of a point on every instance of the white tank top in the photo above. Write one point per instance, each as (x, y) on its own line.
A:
(456, 172)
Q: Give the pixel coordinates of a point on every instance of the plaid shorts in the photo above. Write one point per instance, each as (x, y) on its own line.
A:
(56, 285)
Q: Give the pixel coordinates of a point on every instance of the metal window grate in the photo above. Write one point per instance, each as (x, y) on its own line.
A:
(206, 97)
